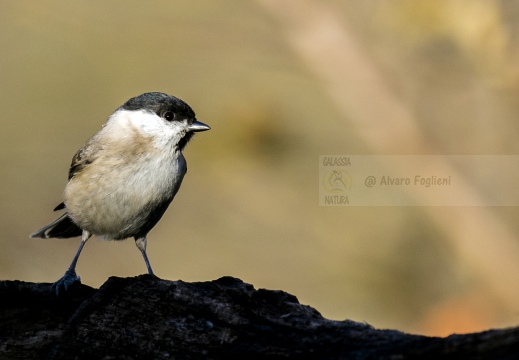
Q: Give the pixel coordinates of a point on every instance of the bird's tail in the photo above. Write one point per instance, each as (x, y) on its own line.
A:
(62, 227)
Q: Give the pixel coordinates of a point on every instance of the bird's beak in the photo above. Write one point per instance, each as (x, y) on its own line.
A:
(198, 126)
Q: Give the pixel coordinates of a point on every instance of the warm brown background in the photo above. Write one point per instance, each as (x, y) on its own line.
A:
(280, 82)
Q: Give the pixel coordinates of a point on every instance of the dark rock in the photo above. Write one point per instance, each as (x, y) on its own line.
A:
(149, 318)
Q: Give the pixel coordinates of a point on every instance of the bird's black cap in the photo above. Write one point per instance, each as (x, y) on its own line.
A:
(160, 103)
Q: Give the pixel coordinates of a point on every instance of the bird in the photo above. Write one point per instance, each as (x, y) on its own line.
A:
(123, 179)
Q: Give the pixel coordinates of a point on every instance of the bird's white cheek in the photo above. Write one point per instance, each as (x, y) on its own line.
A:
(147, 124)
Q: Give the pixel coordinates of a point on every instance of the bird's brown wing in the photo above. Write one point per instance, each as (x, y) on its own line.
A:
(84, 157)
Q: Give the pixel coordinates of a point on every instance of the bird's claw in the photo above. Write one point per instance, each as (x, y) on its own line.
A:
(70, 278)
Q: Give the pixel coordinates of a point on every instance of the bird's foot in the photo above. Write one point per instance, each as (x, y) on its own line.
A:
(70, 278)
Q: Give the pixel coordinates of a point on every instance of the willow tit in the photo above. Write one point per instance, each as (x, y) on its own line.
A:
(122, 181)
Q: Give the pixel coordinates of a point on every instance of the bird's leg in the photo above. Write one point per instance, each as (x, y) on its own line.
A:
(70, 276)
(141, 244)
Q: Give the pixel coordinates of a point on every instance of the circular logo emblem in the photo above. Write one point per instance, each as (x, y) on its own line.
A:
(336, 181)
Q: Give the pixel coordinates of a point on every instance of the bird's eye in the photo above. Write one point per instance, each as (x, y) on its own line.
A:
(169, 115)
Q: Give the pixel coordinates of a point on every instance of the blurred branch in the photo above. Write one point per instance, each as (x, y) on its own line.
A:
(323, 41)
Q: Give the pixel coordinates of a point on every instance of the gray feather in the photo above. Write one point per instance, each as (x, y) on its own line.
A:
(63, 227)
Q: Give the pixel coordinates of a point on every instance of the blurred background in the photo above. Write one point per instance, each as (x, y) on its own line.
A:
(280, 83)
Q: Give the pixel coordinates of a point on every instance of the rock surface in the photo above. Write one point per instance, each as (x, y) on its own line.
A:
(149, 318)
